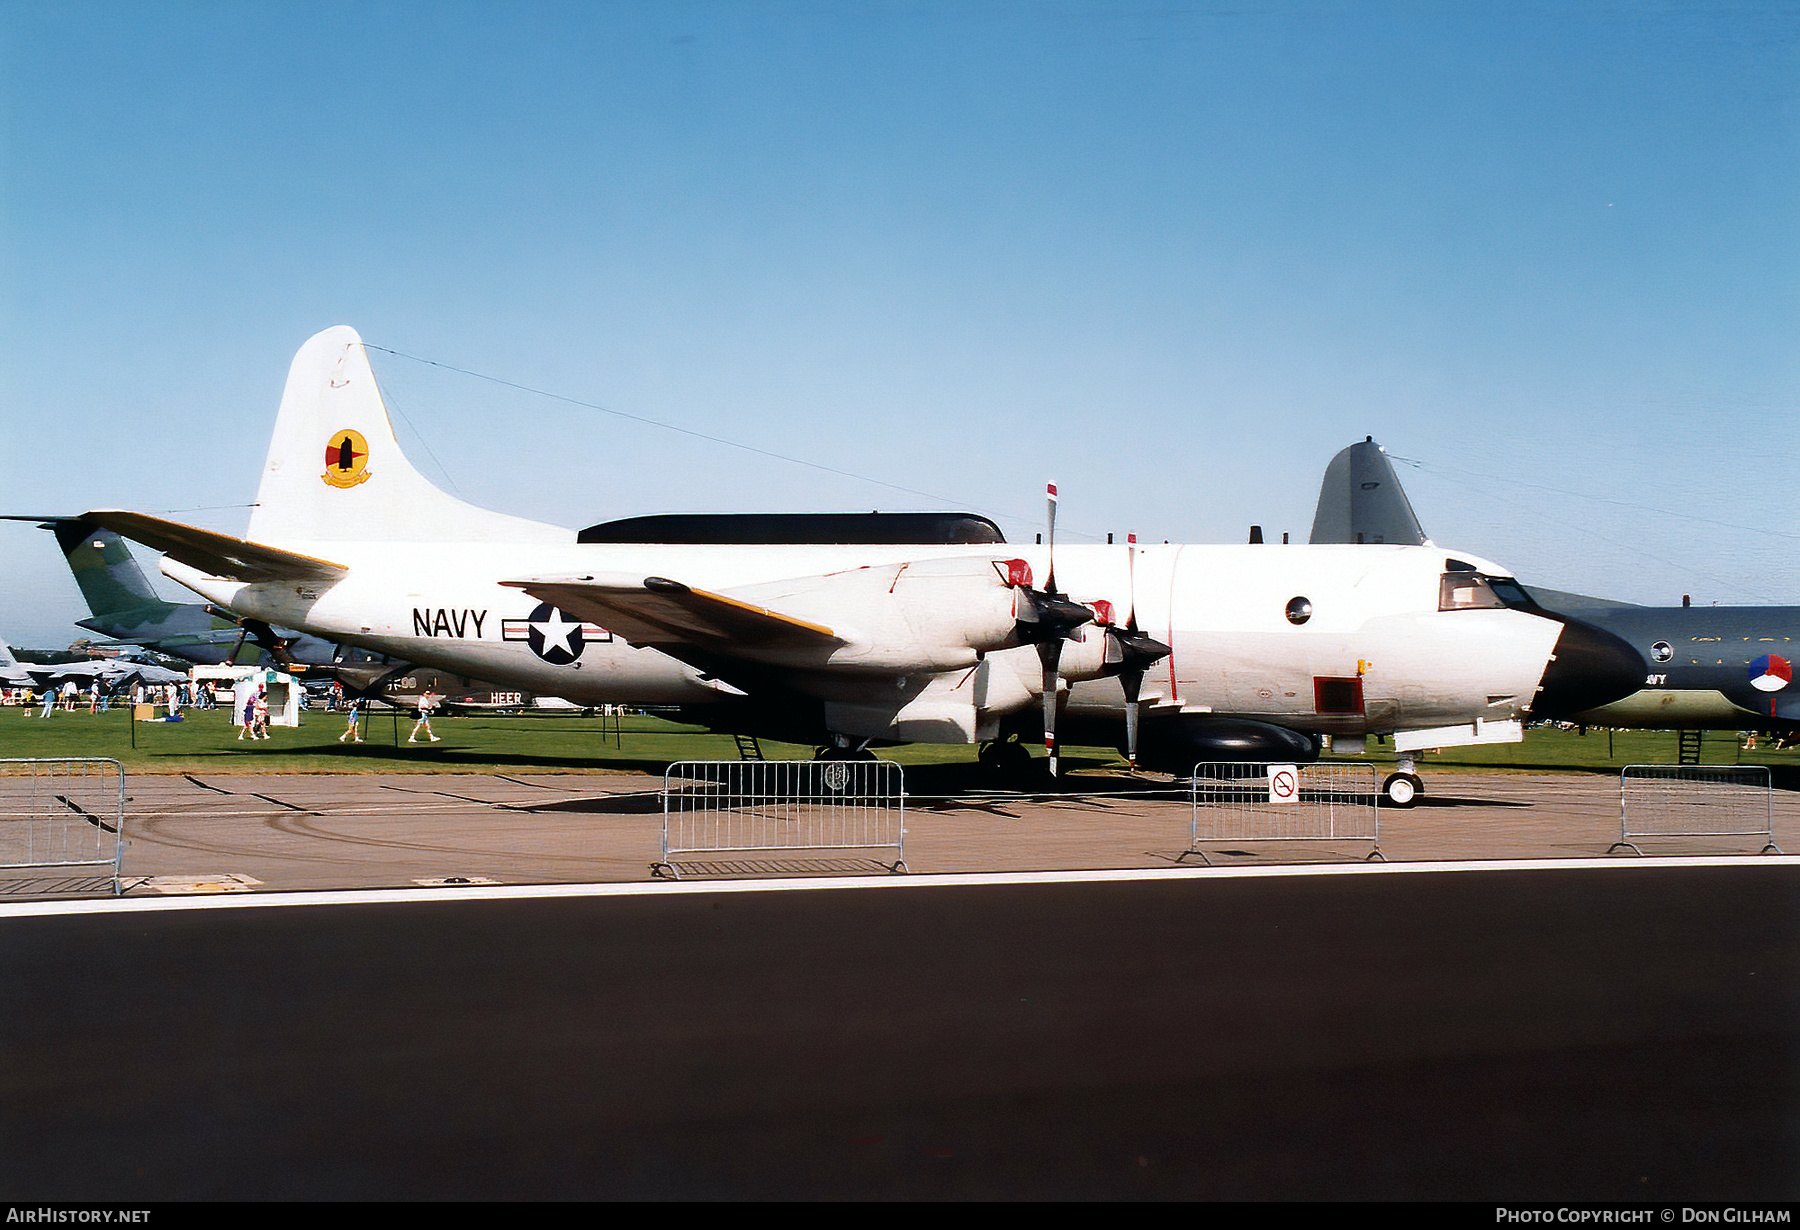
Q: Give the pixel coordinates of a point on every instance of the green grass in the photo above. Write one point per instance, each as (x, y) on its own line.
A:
(207, 743)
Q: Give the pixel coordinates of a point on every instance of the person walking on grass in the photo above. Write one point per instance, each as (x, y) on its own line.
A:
(427, 703)
(352, 731)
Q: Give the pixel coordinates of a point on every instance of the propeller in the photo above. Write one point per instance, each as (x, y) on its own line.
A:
(1130, 653)
(1046, 618)
(237, 646)
(274, 646)
(248, 628)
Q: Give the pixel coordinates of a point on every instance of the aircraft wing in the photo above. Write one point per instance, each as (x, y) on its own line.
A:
(655, 611)
(218, 554)
(109, 673)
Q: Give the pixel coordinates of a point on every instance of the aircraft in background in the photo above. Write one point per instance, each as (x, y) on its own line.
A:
(111, 673)
(1702, 668)
(12, 671)
(1180, 652)
(127, 610)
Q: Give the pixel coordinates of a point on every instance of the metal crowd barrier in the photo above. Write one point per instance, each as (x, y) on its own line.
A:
(712, 806)
(1690, 800)
(56, 817)
(1245, 801)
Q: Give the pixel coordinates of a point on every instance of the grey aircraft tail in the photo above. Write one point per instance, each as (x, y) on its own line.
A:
(1361, 501)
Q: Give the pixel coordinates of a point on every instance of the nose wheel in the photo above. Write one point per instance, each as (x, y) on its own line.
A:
(1402, 789)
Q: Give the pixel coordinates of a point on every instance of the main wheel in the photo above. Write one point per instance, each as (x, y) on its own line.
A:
(837, 768)
(1005, 760)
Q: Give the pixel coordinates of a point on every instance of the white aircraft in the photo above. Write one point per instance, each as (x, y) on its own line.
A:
(12, 671)
(1228, 652)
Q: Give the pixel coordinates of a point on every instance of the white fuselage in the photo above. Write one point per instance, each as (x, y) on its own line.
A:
(1375, 655)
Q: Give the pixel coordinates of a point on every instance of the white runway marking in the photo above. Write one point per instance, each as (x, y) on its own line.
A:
(397, 896)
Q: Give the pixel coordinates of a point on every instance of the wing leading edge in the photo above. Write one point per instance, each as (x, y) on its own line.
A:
(219, 555)
(659, 613)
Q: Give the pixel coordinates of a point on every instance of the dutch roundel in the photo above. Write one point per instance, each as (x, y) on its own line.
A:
(1771, 673)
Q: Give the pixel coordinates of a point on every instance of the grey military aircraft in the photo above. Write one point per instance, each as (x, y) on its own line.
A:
(127, 610)
(110, 673)
(1705, 668)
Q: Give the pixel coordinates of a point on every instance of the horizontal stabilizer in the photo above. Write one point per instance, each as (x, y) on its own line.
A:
(654, 611)
(220, 555)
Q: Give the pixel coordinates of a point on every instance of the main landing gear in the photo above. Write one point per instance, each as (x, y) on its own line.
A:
(838, 773)
(1005, 760)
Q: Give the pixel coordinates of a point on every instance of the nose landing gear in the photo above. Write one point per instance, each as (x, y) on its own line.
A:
(1402, 789)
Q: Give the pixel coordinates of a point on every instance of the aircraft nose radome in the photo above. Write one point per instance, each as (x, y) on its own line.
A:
(1592, 668)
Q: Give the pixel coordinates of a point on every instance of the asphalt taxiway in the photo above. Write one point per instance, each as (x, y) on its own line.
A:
(304, 832)
(1047, 1006)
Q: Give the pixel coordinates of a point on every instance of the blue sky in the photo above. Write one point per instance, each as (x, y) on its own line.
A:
(1172, 258)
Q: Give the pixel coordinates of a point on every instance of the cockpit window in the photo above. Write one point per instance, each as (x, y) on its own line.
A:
(1473, 591)
(1466, 591)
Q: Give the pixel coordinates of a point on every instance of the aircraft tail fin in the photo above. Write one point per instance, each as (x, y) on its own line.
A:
(1361, 501)
(7, 661)
(335, 471)
(111, 582)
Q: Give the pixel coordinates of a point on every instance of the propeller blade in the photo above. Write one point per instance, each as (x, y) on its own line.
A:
(1131, 582)
(1131, 652)
(1050, 654)
(1132, 682)
(272, 644)
(1052, 619)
